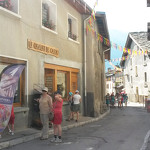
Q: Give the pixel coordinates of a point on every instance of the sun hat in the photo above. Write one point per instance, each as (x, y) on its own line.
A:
(70, 93)
(77, 91)
(45, 89)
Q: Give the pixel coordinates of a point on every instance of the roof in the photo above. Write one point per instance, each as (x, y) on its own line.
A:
(103, 30)
(81, 6)
(140, 39)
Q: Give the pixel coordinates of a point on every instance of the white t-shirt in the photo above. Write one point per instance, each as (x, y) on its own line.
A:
(76, 99)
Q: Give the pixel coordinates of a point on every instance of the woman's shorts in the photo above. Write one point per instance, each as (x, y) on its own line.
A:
(76, 107)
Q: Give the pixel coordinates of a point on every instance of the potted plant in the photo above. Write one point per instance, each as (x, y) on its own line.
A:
(69, 34)
(74, 37)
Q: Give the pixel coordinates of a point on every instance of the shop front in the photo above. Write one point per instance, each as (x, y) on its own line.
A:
(61, 78)
(20, 99)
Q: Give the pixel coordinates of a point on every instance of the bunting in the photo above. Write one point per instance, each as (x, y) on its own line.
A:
(105, 41)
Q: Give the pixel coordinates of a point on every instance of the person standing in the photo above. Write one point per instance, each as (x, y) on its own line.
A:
(71, 103)
(45, 106)
(113, 99)
(119, 100)
(107, 99)
(57, 108)
(126, 99)
(76, 105)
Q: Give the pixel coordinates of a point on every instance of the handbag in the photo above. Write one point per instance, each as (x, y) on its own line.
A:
(51, 116)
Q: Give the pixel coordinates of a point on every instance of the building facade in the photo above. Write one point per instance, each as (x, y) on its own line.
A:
(51, 45)
(114, 81)
(136, 72)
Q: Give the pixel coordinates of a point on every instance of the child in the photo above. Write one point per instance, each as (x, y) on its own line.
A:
(11, 122)
(70, 99)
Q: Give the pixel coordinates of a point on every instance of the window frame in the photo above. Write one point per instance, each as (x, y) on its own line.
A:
(42, 26)
(145, 77)
(8, 61)
(77, 32)
(10, 12)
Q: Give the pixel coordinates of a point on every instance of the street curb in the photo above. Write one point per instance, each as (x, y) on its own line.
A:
(145, 144)
(27, 138)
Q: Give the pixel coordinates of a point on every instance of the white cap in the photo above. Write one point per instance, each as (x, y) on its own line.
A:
(76, 91)
(45, 89)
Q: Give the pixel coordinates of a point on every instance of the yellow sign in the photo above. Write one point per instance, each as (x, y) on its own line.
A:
(42, 48)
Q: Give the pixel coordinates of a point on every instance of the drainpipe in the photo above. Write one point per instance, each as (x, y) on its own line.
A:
(104, 68)
(85, 92)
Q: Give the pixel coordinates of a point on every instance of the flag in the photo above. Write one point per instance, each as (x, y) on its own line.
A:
(9, 78)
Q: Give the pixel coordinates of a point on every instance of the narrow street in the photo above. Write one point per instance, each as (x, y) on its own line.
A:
(122, 129)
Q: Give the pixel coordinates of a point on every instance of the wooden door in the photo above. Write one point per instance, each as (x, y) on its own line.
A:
(74, 82)
(49, 80)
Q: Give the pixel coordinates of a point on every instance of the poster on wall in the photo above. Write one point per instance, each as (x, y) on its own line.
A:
(9, 78)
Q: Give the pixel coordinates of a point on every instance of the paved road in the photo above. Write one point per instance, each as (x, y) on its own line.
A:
(121, 130)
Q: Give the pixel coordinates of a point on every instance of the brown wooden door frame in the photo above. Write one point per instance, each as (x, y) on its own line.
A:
(69, 71)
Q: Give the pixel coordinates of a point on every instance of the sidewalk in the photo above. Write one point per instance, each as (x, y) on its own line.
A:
(31, 134)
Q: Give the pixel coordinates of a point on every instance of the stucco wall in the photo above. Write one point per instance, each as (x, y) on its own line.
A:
(95, 76)
(16, 30)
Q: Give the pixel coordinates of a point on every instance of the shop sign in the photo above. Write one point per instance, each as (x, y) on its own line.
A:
(32, 45)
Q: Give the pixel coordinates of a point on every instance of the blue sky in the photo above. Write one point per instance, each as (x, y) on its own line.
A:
(123, 16)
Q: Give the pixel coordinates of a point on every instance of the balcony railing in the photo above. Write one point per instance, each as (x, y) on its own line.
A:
(49, 25)
(72, 36)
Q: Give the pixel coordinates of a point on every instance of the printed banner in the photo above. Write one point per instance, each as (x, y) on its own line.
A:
(8, 84)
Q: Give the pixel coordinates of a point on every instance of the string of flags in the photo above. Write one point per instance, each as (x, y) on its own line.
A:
(115, 67)
(89, 27)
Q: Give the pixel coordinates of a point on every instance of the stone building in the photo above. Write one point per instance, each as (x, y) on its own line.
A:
(50, 39)
(136, 72)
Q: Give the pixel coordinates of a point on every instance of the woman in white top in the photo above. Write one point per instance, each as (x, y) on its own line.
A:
(45, 106)
(76, 105)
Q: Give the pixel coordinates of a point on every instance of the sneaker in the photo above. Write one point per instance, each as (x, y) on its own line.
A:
(58, 140)
(12, 133)
(53, 140)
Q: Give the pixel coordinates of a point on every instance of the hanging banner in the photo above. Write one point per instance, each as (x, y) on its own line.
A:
(9, 78)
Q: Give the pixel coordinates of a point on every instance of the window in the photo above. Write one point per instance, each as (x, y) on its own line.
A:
(148, 3)
(131, 80)
(11, 5)
(144, 57)
(62, 82)
(20, 91)
(61, 78)
(72, 28)
(49, 15)
(145, 76)
(136, 72)
(128, 78)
